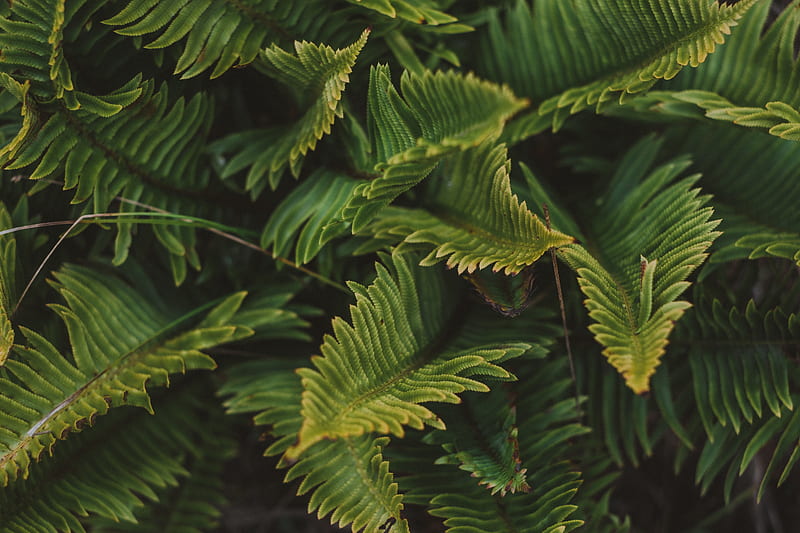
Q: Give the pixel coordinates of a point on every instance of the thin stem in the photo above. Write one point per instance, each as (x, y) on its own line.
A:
(209, 226)
(563, 318)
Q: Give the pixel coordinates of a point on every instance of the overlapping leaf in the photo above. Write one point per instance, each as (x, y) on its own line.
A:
(473, 219)
(119, 343)
(438, 114)
(371, 499)
(316, 73)
(374, 375)
(156, 453)
(733, 86)
(568, 56)
(226, 33)
(647, 238)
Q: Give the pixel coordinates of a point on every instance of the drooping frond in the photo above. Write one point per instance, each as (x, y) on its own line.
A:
(145, 153)
(545, 428)
(305, 220)
(570, 55)
(32, 40)
(371, 499)
(417, 11)
(473, 219)
(222, 32)
(317, 74)
(437, 114)
(735, 451)
(120, 343)
(621, 422)
(374, 375)
(100, 474)
(732, 162)
(8, 274)
(193, 505)
(732, 87)
(647, 238)
(734, 380)
(482, 438)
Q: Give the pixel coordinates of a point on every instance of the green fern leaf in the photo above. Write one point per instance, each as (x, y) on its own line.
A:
(417, 11)
(546, 425)
(228, 33)
(374, 374)
(733, 382)
(317, 73)
(120, 343)
(482, 438)
(649, 237)
(732, 86)
(371, 500)
(194, 505)
(474, 219)
(437, 115)
(34, 38)
(594, 49)
(733, 170)
(315, 205)
(149, 461)
(143, 153)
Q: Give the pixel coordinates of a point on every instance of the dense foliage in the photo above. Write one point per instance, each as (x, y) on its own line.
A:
(546, 252)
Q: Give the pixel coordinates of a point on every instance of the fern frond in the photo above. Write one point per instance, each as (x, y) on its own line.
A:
(222, 32)
(594, 49)
(371, 499)
(417, 11)
(8, 272)
(482, 438)
(649, 236)
(193, 506)
(736, 451)
(546, 423)
(309, 214)
(733, 170)
(143, 153)
(474, 220)
(733, 380)
(151, 458)
(732, 87)
(374, 374)
(318, 74)
(437, 114)
(120, 343)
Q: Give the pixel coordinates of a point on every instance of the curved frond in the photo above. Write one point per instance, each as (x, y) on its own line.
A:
(375, 373)
(417, 11)
(733, 87)
(228, 33)
(371, 499)
(33, 42)
(317, 74)
(647, 239)
(307, 218)
(120, 344)
(437, 114)
(482, 438)
(733, 166)
(570, 55)
(473, 219)
(737, 364)
(546, 426)
(144, 153)
(149, 461)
